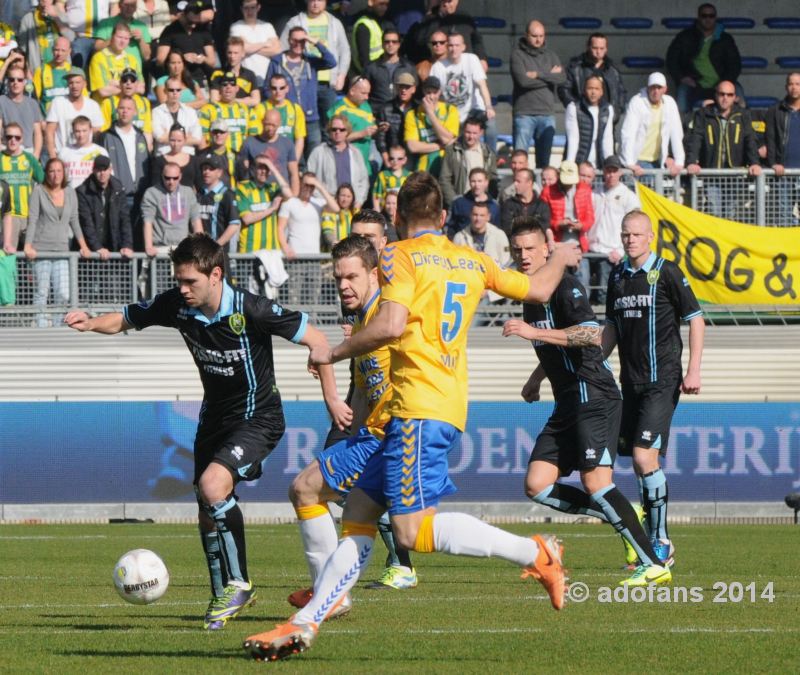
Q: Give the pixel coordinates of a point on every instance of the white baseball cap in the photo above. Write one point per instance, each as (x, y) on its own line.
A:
(656, 80)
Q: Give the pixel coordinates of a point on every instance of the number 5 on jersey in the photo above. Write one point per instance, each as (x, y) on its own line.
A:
(452, 310)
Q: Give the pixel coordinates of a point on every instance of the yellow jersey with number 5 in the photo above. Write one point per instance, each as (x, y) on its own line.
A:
(440, 284)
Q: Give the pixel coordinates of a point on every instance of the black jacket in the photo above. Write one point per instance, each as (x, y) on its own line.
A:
(707, 146)
(382, 88)
(580, 68)
(104, 227)
(416, 44)
(777, 132)
(514, 207)
(724, 55)
(395, 116)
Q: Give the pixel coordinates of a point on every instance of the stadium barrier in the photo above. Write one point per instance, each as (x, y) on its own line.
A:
(731, 459)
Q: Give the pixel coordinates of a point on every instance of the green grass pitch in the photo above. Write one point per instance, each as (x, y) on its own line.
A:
(60, 614)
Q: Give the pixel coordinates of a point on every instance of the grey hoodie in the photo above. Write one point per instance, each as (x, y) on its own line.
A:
(170, 213)
(534, 96)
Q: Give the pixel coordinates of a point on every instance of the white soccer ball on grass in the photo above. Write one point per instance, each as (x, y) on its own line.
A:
(141, 577)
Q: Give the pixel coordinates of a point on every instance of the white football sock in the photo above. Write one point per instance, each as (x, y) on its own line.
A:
(319, 542)
(339, 575)
(461, 534)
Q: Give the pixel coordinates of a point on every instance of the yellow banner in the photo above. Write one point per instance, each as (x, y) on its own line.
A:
(727, 263)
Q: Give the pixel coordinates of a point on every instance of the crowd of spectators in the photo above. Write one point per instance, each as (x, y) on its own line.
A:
(269, 126)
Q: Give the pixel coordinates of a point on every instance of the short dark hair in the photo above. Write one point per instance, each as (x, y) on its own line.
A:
(369, 216)
(520, 152)
(81, 119)
(476, 119)
(528, 225)
(478, 169)
(356, 246)
(706, 5)
(594, 36)
(481, 205)
(420, 199)
(200, 250)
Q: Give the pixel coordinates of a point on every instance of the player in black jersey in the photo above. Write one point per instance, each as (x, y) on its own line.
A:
(229, 334)
(647, 299)
(583, 429)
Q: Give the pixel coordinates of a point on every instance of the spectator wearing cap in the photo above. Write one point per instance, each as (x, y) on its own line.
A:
(292, 118)
(337, 161)
(391, 178)
(79, 157)
(50, 79)
(329, 31)
(461, 209)
(571, 210)
(537, 72)
(64, 109)
(524, 202)
(391, 117)
(652, 133)
(139, 45)
(590, 125)
(104, 213)
(259, 37)
(220, 145)
(430, 127)
(217, 202)
(464, 85)
(366, 44)
(15, 106)
(143, 118)
(107, 65)
(128, 150)
(259, 200)
(382, 72)
(188, 34)
(236, 115)
(301, 68)
(172, 112)
(356, 108)
(169, 212)
(176, 153)
(248, 93)
(444, 18)
(605, 236)
(270, 143)
(461, 157)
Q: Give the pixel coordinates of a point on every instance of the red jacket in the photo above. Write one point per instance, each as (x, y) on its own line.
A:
(584, 210)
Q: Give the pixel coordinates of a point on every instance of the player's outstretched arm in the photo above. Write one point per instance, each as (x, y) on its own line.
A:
(691, 381)
(108, 324)
(580, 336)
(387, 325)
(545, 280)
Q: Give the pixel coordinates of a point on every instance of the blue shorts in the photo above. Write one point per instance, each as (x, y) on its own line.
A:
(415, 469)
(342, 464)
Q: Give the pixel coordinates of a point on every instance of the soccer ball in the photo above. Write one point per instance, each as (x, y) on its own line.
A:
(141, 577)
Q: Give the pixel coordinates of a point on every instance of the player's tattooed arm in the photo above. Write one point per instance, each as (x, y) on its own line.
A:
(583, 336)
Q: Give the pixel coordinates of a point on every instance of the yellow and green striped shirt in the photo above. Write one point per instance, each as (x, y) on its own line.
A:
(337, 224)
(144, 117)
(262, 234)
(237, 116)
(417, 128)
(20, 172)
(386, 181)
(293, 119)
(49, 82)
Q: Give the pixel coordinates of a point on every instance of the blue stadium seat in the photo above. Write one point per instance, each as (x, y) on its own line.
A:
(783, 23)
(580, 22)
(754, 62)
(505, 98)
(508, 139)
(643, 62)
(560, 141)
(760, 101)
(631, 23)
(677, 22)
(489, 22)
(788, 62)
(494, 62)
(737, 22)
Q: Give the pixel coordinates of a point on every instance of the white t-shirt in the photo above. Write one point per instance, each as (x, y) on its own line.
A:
(261, 32)
(62, 112)
(459, 83)
(163, 121)
(78, 162)
(303, 229)
(128, 139)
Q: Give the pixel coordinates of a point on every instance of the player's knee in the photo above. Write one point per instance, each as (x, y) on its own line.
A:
(535, 487)
(405, 535)
(211, 489)
(303, 491)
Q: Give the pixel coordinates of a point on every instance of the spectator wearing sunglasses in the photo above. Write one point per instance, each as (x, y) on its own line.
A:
(21, 171)
(143, 114)
(15, 106)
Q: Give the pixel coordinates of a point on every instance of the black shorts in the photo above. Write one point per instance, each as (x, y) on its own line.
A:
(239, 447)
(580, 436)
(647, 411)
